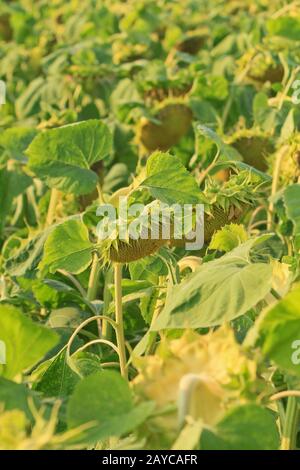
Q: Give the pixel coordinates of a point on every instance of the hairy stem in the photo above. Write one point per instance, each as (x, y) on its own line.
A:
(106, 326)
(119, 319)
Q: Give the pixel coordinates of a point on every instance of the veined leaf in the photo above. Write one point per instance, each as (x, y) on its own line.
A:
(26, 342)
(169, 181)
(63, 156)
(280, 332)
(104, 399)
(217, 292)
(68, 247)
(246, 427)
(28, 256)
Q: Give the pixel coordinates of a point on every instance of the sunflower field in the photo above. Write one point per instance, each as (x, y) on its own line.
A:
(187, 340)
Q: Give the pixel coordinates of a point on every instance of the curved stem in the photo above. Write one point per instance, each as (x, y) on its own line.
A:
(210, 167)
(119, 319)
(82, 325)
(285, 394)
(187, 386)
(74, 281)
(192, 262)
(98, 341)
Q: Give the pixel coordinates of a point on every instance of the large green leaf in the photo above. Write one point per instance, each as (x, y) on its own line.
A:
(169, 181)
(26, 342)
(63, 156)
(68, 247)
(280, 332)
(59, 380)
(217, 292)
(105, 400)
(246, 427)
(291, 197)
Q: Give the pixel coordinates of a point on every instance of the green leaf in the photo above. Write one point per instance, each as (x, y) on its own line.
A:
(228, 238)
(15, 396)
(264, 115)
(291, 198)
(63, 156)
(59, 379)
(12, 184)
(217, 292)
(169, 181)
(280, 332)
(211, 87)
(27, 258)
(105, 400)
(246, 427)
(15, 141)
(66, 317)
(26, 342)
(285, 26)
(225, 150)
(67, 247)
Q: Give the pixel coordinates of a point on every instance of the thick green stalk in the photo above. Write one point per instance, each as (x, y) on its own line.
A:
(93, 280)
(119, 319)
(106, 326)
(291, 425)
